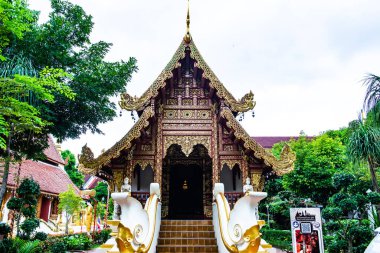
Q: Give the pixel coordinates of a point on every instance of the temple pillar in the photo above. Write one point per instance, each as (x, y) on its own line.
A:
(244, 169)
(257, 179)
(158, 161)
(214, 148)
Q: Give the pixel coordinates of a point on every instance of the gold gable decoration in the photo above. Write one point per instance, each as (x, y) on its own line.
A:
(280, 167)
(91, 166)
(246, 103)
(130, 103)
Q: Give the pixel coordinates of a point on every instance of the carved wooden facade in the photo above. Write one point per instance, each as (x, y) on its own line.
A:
(187, 106)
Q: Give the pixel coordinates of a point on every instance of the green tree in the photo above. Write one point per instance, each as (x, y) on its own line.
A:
(23, 132)
(347, 228)
(64, 42)
(364, 146)
(15, 20)
(69, 202)
(317, 161)
(25, 204)
(372, 97)
(71, 168)
(101, 191)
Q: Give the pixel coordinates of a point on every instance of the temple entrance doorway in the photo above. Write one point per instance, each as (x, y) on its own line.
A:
(187, 189)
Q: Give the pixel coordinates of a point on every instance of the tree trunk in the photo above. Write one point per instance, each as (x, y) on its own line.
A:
(3, 188)
(67, 224)
(373, 175)
(349, 250)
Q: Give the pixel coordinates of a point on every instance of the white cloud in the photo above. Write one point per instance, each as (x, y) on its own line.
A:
(303, 59)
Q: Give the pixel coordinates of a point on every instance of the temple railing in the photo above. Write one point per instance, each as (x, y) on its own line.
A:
(233, 197)
(238, 229)
(141, 196)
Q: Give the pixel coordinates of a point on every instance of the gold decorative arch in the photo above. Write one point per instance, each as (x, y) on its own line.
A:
(231, 163)
(187, 143)
(143, 164)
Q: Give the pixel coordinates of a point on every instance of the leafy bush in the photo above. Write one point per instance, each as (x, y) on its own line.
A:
(102, 236)
(18, 245)
(77, 242)
(5, 229)
(281, 239)
(58, 247)
(41, 236)
(28, 226)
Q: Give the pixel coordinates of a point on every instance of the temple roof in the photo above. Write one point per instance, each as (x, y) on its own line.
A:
(52, 179)
(89, 165)
(280, 166)
(130, 103)
(52, 153)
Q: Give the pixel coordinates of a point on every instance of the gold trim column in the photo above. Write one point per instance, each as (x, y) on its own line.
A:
(215, 146)
(158, 161)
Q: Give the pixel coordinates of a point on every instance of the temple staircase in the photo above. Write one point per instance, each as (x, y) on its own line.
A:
(186, 236)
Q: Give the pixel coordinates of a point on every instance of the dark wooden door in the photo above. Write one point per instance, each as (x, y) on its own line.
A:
(186, 192)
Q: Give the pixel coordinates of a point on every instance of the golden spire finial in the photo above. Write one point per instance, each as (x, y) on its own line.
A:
(187, 37)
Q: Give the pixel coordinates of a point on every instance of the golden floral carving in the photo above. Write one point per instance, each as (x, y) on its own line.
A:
(91, 166)
(187, 143)
(130, 103)
(280, 167)
(143, 163)
(230, 163)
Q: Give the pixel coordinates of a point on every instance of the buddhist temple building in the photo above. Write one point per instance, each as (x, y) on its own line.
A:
(187, 138)
(49, 174)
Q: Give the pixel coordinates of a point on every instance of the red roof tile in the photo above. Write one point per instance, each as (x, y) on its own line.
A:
(52, 153)
(51, 179)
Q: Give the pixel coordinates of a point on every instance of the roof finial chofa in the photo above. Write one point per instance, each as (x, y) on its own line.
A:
(187, 37)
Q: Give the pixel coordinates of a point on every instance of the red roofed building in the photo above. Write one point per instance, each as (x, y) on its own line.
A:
(49, 174)
(268, 141)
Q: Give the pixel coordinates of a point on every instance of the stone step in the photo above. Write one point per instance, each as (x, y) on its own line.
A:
(198, 249)
(199, 228)
(187, 234)
(186, 222)
(182, 241)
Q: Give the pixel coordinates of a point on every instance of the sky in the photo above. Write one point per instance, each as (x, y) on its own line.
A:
(303, 60)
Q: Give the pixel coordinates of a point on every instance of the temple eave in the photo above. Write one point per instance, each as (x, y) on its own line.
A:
(92, 166)
(280, 166)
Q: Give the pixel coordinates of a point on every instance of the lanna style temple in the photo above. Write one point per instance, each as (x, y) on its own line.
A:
(187, 138)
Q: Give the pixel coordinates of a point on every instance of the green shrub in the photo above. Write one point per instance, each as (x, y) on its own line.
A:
(41, 236)
(5, 229)
(281, 239)
(77, 242)
(58, 247)
(102, 236)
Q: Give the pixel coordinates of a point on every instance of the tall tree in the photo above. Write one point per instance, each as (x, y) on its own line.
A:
(364, 146)
(71, 168)
(69, 202)
(372, 97)
(64, 42)
(317, 161)
(15, 20)
(22, 99)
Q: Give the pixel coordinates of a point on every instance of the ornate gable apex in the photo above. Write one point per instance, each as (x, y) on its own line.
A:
(130, 103)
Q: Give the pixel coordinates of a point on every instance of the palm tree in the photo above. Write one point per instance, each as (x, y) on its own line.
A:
(364, 146)
(372, 97)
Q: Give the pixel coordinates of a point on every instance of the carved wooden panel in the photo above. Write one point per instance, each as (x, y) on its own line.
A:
(187, 143)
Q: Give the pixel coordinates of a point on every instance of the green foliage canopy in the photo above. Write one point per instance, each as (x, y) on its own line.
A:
(71, 168)
(69, 202)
